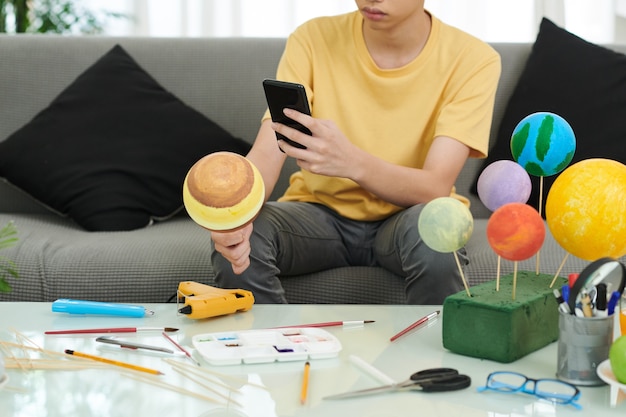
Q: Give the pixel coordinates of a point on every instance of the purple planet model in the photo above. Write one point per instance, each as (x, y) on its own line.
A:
(503, 182)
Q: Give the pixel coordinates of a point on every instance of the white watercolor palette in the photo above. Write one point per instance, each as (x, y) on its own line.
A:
(266, 345)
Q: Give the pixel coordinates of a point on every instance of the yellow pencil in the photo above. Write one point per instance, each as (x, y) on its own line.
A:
(112, 362)
(305, 383)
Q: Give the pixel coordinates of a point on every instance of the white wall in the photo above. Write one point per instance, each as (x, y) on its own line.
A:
(601, 21)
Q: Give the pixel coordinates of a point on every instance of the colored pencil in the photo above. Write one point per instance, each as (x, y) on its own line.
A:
(113, 362)
(305, 382)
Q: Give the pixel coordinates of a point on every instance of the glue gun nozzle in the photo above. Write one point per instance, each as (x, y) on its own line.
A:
(185, 310)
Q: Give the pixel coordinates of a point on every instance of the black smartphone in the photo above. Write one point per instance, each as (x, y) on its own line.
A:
(281, 95)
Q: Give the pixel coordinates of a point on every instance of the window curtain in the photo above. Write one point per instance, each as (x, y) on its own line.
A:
(490, 20)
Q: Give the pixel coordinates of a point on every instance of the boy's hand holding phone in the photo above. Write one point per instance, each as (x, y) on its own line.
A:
(281, 95)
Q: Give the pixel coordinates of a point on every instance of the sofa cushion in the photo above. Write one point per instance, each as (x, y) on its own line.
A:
(111, 151)
(580, 81)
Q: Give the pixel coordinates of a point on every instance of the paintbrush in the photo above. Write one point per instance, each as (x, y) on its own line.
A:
(114, 330)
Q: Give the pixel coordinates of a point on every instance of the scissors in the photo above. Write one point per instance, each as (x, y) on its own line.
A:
(428, 380)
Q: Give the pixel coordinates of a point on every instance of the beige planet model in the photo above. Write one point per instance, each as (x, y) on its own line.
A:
(223, 191)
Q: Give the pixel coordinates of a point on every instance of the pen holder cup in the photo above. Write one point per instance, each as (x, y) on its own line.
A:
(584, 343)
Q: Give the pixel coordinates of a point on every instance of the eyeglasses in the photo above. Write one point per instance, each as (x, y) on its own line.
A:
(553, 390)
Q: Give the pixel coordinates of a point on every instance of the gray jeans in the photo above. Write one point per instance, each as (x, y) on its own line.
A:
(292, 238)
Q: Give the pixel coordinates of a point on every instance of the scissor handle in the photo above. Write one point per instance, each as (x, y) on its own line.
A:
(428, 374)
(447, 383)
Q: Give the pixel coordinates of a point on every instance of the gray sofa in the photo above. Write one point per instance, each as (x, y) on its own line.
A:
(222, 79)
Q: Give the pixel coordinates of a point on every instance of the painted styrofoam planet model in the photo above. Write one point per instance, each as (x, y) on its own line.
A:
(543, 143)
(445, 224)
(223, 191)
(516, 231)
(586, 209)
(503, 182)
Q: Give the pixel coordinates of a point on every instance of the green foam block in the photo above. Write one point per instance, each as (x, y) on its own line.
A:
(491, 325)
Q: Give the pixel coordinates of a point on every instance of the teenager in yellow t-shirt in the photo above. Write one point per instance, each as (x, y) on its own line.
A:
(399, 100)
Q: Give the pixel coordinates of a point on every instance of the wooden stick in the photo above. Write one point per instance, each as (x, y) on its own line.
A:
(175, 363)
(211, 378)
(38, 364)
(498, 274)
(540, 210)
(37, 349)
(514, 278)
(7, 350)
(558, 271)
(17, 390)
(207, 387)
(20, 362)
(537, 261)
(22, 336)
(458, 264)
(158, 383)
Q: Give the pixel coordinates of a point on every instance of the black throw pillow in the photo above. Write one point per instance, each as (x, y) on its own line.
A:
(580, 81)
(112, 150)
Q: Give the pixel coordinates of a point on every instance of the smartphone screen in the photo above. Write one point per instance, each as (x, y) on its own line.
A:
(281, 95)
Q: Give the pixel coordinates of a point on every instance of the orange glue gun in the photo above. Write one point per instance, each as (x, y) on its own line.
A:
(200, 301)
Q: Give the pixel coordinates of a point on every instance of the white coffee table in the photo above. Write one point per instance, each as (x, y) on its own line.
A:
(108, 392)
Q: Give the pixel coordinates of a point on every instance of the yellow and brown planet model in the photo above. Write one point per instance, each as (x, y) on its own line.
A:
(223, 191)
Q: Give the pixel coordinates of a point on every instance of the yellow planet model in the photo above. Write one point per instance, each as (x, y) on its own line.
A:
(223, 191)
(585, 209)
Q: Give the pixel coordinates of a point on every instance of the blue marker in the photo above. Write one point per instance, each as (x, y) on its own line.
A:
(64, 305)
(565, 292)
(612, 302)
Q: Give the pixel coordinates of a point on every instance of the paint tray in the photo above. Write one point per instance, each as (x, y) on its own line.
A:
(266, 345)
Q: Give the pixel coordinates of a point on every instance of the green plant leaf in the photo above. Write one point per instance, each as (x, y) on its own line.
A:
(8, 238)
(4, 285)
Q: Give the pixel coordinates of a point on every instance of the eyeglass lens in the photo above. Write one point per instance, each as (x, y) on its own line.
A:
(551, 389)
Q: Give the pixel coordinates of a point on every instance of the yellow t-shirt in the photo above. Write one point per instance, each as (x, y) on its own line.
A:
(448, 90)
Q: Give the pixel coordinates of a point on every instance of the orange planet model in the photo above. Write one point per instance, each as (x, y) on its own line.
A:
(223, 191)
(515, 231)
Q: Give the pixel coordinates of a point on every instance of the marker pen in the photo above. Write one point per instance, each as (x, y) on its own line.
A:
(562, 304)
(601, 300)
(612, 303)
(565, 293)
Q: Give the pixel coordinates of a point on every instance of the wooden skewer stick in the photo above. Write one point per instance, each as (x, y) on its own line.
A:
(558, 271)
(195, 369)
(174, 388)
(209, 378)
(208, 388)
(458, 264)
(498, 274)
(214, 379)
(27, 364)
(514, 278)
(540, 210)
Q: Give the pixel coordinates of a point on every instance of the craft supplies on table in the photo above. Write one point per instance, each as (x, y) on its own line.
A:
(266, 345)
